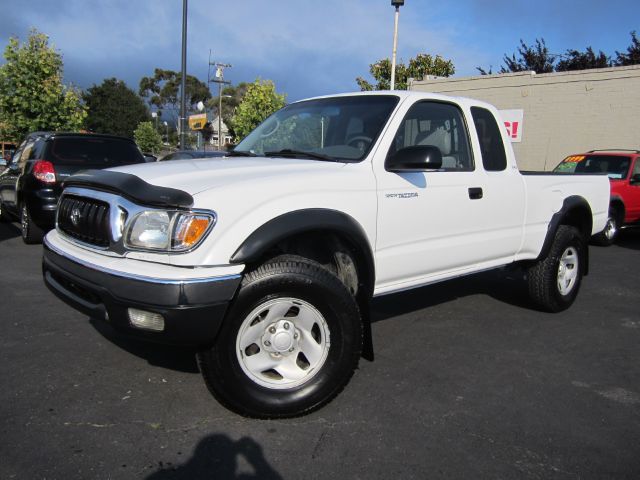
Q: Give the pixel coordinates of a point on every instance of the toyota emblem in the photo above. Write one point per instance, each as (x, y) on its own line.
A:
(76, 215)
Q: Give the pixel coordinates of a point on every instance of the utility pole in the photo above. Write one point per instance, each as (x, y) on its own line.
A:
(183, 83)
(397, 4)
(219, 79)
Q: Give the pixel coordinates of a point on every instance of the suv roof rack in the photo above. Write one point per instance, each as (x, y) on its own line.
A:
(614, 150)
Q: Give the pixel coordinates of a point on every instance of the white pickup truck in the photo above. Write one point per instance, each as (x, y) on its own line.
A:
(267, 259)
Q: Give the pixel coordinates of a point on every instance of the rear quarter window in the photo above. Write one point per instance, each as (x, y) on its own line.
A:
(94, 152)
(494, 157)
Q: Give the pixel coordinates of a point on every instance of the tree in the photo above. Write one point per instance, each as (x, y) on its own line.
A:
(418, 67)
(536, 58)
(114, 108)
(32, 96)
(259, 101)
(147, 137)
(162, 91)
(231, 99)
(576, 60)
(632, 57)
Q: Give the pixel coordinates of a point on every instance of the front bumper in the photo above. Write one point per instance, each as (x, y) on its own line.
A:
(193, 310)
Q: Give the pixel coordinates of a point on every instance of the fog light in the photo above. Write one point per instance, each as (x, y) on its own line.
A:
(146, 320)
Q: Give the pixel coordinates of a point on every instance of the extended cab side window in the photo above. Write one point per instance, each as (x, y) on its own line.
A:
(494, 158)
(438, 124)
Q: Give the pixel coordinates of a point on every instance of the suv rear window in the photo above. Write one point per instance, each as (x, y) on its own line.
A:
(94, 152)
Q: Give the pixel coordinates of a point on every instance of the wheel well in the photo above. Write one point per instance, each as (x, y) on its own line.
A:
(618, 206)
(333, 250)
(580, 218)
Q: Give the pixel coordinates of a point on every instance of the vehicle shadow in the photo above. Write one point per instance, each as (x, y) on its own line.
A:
(629, 238)
(181, 359)
(505, 285)
(8, 231)
(216, 457)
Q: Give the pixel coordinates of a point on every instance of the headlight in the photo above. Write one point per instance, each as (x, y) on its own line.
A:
(168, 231)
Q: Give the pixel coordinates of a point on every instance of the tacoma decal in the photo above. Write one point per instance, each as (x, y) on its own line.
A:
(402, 195)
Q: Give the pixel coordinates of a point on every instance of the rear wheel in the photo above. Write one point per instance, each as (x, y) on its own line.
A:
(4, 216)
(554, 281)
(289, 344)
(31, 233)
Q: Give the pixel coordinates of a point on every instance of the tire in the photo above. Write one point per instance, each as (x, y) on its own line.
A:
(4, 216)
(289, 344)
(554, 281)
(610, 233)
(31, 233)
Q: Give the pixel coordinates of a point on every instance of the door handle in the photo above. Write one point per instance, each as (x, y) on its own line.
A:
(475, 193)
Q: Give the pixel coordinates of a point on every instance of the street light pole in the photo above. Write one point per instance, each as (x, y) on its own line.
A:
(220, 140)
(183, 83)
(397, 4)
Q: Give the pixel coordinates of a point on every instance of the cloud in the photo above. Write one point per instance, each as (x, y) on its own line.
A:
(307, 47)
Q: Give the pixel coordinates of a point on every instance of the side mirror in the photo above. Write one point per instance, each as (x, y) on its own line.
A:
(635, 180)
(417, 158)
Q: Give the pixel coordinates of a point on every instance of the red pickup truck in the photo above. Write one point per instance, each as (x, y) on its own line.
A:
(623, 169)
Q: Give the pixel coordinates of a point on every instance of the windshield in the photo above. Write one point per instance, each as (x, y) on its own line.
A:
(615, 166)
(337, 129)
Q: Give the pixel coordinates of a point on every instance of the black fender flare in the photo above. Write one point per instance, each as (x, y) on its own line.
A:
(307, 220)
(567, 216)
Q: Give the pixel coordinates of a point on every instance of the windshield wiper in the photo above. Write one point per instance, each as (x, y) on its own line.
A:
(287, 152)
(240, 153)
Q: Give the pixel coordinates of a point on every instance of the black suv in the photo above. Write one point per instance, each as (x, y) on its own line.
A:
(31, 183)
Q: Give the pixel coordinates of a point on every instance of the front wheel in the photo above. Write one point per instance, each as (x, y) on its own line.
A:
(608, 236)
(289, 344)
(554, 281)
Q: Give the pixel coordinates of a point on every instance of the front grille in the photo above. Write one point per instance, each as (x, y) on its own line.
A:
(85, 219)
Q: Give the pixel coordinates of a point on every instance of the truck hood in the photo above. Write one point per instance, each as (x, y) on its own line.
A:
(199, 175)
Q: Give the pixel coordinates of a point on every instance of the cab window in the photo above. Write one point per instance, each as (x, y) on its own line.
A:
(440, 125)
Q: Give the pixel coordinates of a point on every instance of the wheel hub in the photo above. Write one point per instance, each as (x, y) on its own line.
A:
(283, 343)
(611, 229)
(280, 338)
(567, 271)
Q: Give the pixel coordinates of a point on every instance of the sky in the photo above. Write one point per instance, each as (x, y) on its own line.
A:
(307, 47)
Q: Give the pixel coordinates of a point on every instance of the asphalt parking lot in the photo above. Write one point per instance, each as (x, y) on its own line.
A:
(468, 382)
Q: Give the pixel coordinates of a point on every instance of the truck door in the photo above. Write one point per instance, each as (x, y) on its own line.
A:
(456, 219)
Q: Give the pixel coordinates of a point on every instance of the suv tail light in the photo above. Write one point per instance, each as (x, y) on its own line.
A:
(44, 171)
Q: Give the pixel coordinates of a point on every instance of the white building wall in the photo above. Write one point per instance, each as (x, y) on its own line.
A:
(564, 113)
